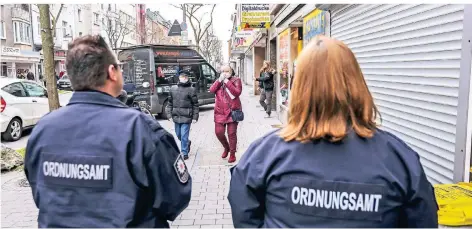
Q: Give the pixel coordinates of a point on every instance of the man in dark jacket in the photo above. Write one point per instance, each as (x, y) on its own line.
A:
(183, 107)
(108, 166)
(29, 75)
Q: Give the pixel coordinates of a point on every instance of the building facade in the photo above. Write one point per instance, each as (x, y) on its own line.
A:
(416, 60)
(157, 28)
(17, 53)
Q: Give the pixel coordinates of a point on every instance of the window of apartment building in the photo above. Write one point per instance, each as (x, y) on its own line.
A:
(2, 30)
(80, 34)
(96, 19)
(22, 32)
(39, 26)
(79, 14)
(109, 7)
(102, 6)
(64, 29)
(103, 22)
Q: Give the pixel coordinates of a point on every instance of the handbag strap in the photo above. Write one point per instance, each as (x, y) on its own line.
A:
(224, 95)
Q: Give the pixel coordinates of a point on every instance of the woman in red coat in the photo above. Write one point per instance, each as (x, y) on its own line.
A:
(227, 90)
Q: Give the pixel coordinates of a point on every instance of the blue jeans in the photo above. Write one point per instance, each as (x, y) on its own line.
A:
(182, 130)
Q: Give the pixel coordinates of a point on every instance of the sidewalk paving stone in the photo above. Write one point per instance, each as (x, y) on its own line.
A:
(210, 173)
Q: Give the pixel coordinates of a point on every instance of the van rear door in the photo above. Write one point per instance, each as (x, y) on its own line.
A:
(137, 73)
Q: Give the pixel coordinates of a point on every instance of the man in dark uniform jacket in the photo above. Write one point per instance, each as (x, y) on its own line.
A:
(97, 162)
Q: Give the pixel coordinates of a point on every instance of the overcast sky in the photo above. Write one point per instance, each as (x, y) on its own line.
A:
(221, 20)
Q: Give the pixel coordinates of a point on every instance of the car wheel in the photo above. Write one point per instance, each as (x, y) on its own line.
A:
(164, 113)
(14, 130)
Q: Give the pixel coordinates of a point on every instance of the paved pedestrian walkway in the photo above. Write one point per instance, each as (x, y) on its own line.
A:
(208, 206)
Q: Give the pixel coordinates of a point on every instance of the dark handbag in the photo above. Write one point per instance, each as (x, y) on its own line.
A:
(237, 115)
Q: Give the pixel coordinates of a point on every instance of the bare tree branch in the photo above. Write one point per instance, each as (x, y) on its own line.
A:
(123, 26)
(196, 20)
(54, 19)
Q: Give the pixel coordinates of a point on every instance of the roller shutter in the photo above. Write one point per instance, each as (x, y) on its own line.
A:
(410, 56)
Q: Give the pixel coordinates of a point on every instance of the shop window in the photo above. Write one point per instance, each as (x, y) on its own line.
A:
(283, 65)
(2, 30)
(3, 70)
(22, 32)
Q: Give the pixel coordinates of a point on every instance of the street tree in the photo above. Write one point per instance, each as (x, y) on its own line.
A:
(197, 16)
(117, 25)
(48, 32)
(211, 47)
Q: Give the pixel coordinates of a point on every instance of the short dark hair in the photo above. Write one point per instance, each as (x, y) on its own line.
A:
(87, 61)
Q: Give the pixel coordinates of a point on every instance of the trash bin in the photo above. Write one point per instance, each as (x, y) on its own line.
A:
(455, 204)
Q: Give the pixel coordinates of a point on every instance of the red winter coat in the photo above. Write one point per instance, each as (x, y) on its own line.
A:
(223, 99)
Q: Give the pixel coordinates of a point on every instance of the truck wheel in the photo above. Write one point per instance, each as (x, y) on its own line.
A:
(163, 112)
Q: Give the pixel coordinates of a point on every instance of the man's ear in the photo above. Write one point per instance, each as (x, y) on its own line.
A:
(112, 73)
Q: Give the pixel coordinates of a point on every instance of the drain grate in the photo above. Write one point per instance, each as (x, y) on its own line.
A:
(23, 183)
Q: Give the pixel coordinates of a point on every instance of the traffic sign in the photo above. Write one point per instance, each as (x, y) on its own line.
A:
(183, 26)
(175, 30)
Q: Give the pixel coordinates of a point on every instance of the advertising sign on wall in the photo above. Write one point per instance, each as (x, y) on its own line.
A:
(255, 16)
(284, 46)
(284, 58)
(244, 38)
(313, 24)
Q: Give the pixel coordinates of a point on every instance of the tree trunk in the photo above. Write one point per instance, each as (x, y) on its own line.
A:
(48, 53)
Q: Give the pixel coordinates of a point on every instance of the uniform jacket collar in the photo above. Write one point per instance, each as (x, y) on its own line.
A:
(95, 97)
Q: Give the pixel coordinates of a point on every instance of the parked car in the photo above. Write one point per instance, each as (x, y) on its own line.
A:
(64, 83)
(23, 103)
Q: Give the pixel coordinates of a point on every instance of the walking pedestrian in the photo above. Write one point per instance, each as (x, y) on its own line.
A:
(29, 75)
(182, 108)
(266, 83)
(227, 89)
(98, 163)
(331, 166)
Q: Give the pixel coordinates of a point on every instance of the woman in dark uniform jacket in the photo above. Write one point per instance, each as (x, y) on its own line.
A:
(331, 166)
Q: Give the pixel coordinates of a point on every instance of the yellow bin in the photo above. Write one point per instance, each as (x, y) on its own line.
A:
(455, 204)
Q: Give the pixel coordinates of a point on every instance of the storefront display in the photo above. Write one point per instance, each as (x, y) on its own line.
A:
(283, 65)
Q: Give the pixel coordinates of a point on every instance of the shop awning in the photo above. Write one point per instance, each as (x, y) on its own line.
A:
(20, 59)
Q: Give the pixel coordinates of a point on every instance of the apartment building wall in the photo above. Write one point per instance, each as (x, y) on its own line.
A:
(17, 55)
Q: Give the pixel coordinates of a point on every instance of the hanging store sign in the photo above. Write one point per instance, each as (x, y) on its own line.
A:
(255, 16)
(313, 24)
